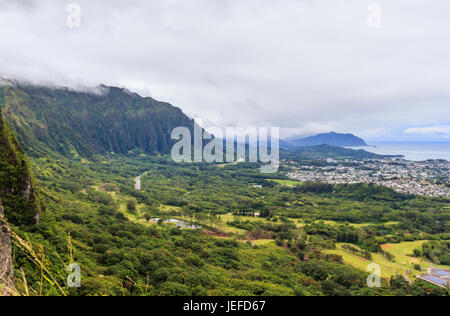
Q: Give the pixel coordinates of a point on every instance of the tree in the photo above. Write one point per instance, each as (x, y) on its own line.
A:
(147, 217)
(131, 206)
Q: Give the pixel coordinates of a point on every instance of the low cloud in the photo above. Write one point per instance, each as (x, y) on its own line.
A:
(441, 131)
(305, 66)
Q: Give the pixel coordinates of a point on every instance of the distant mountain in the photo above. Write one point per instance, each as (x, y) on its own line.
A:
(332, 139)
(74, 123)
(327, 151)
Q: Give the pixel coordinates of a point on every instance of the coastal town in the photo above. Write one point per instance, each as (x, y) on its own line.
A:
(428, 178)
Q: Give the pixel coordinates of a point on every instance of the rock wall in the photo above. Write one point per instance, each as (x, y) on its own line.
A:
(6, 268)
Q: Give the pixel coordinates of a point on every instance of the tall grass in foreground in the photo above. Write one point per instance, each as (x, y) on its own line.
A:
(50, 282)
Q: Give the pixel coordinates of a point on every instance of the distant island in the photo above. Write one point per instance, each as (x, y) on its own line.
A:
(334, 152)
(331, 139)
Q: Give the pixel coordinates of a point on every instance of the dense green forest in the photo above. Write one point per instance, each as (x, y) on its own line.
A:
(95, 218)
(74, 123)
(436, 251)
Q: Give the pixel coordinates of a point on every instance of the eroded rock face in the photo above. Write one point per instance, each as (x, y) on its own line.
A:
(6, 268)
(20, 203)
(18, 192)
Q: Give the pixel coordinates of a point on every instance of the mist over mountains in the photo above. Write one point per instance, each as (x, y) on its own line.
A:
(104, 119)
(331, 139)
(74, 123)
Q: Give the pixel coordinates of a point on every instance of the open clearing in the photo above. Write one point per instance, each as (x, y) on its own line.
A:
(300, 223)
(289, 183)
(402, 264)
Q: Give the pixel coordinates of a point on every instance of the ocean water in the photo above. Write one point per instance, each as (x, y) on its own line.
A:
(411, 151)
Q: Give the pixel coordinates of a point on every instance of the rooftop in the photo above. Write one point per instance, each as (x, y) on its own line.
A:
(439, 277)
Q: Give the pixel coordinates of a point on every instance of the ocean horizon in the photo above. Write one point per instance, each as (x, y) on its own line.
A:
(415, 151)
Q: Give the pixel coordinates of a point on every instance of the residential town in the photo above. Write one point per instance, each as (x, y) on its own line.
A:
(429, 178)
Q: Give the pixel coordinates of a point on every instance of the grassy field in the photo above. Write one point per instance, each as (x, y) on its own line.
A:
(263, 242)
(402, 251)
(403, 263)
(224, 219)
(300, 223)
(227, 164)
(361, 224)
(229, 218)
(290, 183)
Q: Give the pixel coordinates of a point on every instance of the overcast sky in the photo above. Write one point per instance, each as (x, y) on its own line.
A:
(306, 66)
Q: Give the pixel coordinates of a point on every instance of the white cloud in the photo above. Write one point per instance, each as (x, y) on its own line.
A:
(305, 66)
(442, 131)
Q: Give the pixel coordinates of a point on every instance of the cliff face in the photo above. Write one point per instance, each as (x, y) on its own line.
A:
(74, 123)
(6, 268)
(19, 201)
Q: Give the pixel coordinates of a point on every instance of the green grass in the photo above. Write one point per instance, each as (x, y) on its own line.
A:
(169, 208)
(300, 223)
(229, 218)
(263, 242)
(290, 183)
(227, 164)
(361, 224)
(402, 264)
(223, 227)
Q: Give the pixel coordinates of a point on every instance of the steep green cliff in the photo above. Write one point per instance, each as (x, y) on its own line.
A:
(6, 268)
(21, 202)
(76, 123)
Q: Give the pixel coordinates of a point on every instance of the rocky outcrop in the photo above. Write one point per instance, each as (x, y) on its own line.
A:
(20, 203)
(6, 267)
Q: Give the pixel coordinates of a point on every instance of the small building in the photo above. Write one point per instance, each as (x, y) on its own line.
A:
(439, 277)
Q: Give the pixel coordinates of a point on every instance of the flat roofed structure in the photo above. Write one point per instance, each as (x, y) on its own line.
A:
(443, 273)
(439, 277)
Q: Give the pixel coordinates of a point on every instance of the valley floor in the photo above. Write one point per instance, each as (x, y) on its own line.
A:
(256, 236)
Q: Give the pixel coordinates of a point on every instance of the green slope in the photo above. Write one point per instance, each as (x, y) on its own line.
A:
(327, 151)
(84, 123)
(17, 189)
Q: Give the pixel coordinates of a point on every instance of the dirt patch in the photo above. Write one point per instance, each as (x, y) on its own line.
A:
(387, 246)
(259, 235)
(215, 234)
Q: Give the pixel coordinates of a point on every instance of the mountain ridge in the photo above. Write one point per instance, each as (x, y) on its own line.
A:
(326, 151)
(79, 123)
(332, 139)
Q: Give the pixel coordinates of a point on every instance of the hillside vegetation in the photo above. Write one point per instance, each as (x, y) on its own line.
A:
(242, 232)
(17, 185)
(75, 123)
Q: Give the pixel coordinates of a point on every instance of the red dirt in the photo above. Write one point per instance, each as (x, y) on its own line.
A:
(215, 234)
(260, 235)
